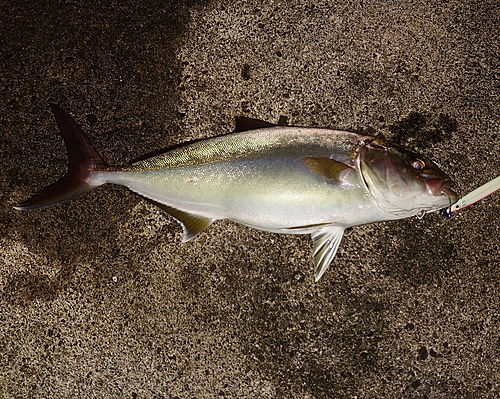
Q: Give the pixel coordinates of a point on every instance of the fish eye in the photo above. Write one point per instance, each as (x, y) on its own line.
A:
(417, 164)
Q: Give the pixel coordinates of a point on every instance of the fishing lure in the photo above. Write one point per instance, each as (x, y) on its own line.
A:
(474, 196)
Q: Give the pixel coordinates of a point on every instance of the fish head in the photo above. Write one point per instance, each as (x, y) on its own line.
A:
(402, 182)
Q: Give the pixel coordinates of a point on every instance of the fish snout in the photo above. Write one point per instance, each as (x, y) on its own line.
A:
(439, 187)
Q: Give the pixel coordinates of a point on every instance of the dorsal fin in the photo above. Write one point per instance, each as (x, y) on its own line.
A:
(192, 225)
(243, 124)
(329, 169)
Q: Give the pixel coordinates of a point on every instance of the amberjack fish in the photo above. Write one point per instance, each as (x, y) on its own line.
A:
(281, 179)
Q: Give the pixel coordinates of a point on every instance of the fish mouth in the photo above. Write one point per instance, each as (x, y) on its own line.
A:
(445, 189)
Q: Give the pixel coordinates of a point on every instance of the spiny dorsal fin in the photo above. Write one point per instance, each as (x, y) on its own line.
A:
(192, 225)
(329, 169)
(325, 245)
(243, 124)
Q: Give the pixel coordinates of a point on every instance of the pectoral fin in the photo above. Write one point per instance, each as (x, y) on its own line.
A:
(325, 244)
(192, 225)
(329, 169)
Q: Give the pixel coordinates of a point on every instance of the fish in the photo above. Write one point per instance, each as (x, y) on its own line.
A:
(279, 179)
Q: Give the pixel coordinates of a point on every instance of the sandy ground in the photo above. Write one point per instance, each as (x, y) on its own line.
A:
(99, 298)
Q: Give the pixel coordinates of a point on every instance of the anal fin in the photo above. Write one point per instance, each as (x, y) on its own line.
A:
(326, 242)
(192, 225)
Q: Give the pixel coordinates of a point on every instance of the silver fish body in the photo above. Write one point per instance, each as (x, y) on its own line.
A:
(260, 181)
(290, 180)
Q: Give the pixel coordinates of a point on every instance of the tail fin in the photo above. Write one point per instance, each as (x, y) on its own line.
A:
(83, 160)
